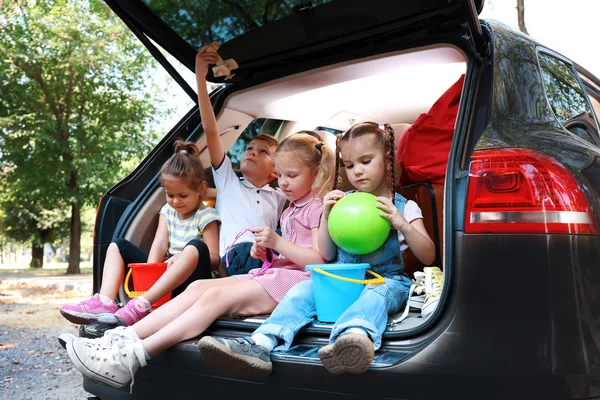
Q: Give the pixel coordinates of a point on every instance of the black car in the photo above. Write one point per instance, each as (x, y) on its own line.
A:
(515, 221)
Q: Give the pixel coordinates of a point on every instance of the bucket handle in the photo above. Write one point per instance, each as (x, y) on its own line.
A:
(131, 294)
(378, 281)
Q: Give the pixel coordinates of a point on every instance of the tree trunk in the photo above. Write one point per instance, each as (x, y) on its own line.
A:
(75, 241)
(37, 255)
(521, 16)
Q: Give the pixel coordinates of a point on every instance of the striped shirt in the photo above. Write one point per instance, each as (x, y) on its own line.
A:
(182, 231)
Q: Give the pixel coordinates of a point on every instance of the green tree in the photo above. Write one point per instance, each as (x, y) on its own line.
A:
(75, 105)
(33, 224)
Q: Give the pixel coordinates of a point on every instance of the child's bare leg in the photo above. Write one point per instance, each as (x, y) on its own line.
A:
(247, 298)
(112, 275)
(166, 313)
(175, 275)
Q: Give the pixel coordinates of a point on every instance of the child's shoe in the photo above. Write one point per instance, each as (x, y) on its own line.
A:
(242, 355)
(114, 365)
(120, 333)
(87, 311)
(434, 281)
(130, 314)
(352, 353)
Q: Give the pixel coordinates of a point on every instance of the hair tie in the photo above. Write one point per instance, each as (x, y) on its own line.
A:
(319, 146)
(184, 152)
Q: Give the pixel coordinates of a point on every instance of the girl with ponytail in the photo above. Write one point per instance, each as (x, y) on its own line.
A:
(187, 239)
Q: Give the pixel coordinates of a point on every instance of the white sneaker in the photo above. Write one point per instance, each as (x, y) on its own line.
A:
(417, 299)
(110, 336)
(114, 365)
(434, 281)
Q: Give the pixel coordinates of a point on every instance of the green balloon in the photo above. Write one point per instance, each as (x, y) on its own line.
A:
(355, 224)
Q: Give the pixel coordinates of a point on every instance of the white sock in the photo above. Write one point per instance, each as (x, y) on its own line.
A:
(107, 301)
(142, 304)
(146, 353)
(129, 332)
(269, 342)
(359, 331)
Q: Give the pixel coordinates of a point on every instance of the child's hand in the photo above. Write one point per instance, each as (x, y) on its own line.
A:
(329, 201)
(206, 56)
(265, 236)
(258, 252)
(391, 213)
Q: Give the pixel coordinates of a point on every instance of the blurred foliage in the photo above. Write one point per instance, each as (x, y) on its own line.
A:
(75, 106)
(566, 96)
(204, 21)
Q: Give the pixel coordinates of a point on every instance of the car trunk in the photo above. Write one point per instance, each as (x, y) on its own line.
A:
(303, 40)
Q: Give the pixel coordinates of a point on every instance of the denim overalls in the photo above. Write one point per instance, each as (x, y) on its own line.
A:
(369, 312)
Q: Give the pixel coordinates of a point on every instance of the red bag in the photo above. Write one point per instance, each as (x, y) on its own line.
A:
(423, 149)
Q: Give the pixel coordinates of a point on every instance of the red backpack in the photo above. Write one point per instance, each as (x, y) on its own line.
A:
(423, 149)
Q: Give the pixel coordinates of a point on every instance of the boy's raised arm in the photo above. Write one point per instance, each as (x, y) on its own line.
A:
(206, 56)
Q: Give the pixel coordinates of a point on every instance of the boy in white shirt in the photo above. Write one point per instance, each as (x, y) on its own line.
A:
(241, 202)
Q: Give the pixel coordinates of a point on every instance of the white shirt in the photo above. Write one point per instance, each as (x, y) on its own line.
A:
(241, 205)
(411, 212)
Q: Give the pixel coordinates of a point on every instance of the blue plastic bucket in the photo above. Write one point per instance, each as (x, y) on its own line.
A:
(334, 295)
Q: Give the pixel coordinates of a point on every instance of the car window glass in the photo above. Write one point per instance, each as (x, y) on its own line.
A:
(565, 94)
(260, 125)
(331, 130)
(201, 22)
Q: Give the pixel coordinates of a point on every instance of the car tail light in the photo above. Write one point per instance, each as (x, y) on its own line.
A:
(524, 191)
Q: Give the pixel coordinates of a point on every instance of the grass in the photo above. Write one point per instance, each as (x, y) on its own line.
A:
(48, 269)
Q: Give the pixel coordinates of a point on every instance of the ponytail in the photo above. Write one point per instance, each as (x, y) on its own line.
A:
(184, 164)
(324, 180)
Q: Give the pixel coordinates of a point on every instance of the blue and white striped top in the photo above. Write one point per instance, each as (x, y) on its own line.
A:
(181, 232)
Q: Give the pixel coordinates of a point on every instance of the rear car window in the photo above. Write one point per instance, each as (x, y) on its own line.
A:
(201, 23)
(260, 125)
(567, 98)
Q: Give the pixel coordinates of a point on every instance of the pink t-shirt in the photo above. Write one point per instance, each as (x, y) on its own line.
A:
(297, 222)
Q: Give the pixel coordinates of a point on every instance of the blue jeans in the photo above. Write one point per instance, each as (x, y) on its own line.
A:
(369, 312)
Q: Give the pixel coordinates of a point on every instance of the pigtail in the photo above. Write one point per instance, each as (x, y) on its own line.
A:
(338, 161)
(324, 180)
(390, 139)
